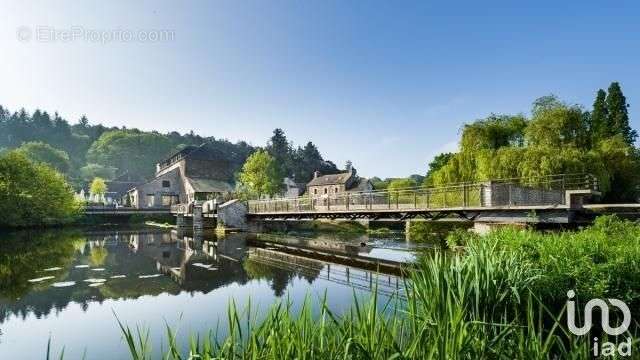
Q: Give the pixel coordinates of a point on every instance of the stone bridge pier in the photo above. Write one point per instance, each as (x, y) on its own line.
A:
(232, 216)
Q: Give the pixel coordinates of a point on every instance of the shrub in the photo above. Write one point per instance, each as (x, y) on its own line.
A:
(601, 261)
(33, 194)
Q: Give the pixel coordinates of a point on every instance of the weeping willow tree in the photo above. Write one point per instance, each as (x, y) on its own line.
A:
(556, 139)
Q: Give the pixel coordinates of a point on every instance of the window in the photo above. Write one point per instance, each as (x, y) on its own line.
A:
(168, 200)
(325, 190)
(336, 190)
(166, 183)
(315, 191)
(151, 200)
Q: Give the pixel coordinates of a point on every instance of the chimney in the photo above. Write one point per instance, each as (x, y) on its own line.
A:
(316, 174)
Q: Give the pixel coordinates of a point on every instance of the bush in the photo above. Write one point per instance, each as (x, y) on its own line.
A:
(601, 261)
(33, 194)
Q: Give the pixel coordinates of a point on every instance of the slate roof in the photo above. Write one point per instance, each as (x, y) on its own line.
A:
(209, 185)
(334, 179)
(120, 187)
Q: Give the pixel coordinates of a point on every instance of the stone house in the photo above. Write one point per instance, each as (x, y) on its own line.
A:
(331, 185)
(193, 173)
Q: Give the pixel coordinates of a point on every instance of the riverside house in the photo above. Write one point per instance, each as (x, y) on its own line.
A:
(334, 184)
(193, 173)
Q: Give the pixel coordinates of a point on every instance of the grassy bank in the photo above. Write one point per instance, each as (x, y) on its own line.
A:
(502, 297)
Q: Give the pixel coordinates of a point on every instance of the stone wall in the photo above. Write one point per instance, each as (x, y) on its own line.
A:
(233, 215)
(317, 191)
(155, 187)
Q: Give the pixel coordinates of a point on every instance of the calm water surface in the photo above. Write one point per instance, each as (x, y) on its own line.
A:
(68, 284)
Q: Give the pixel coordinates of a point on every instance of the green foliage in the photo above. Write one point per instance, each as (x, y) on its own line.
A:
(260, 174)
(557, 126)
(280, 149)
(95, 170)
(33, 194)
(618, 116)
(493, 132)
(300, 163)
(133, 151)
(44, 153)
(621, 164)
(436, 164)
(598, 262)
(98, 186)
(558, 139)
(599, 118)
(379, 184)
(400, 184)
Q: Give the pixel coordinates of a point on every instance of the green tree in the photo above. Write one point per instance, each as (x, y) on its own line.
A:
(599, 118)
(260, 174)
(129, 151)
(44, 153)
(622, 164)
(96, 170)
(33, 194)
(436, 164)
(379, 184)
(281, 151)
(560, 125)
(493, 132)
(618, 116)
(98, 187)
(399, 184)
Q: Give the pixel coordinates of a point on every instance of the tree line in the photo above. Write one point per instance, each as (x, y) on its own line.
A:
(557, 138)
(83, 151)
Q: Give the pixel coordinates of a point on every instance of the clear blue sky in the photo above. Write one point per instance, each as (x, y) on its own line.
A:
(384, 84)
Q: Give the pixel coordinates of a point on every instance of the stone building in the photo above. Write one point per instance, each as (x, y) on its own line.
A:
(330, 185)
(193, 173)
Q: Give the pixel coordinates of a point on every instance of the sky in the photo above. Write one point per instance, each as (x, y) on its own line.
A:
(387, 85)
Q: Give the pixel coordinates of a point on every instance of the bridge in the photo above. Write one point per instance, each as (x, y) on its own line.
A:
(545, 199)
(556, 199)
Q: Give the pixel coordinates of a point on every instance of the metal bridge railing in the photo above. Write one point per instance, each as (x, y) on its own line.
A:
(531, 191)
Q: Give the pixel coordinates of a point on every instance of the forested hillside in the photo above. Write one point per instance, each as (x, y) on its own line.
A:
(83, 151)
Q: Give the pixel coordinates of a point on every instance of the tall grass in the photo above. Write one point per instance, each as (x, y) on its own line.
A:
(476, 306)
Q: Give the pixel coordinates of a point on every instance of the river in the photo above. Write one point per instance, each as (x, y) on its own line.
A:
(67, 286)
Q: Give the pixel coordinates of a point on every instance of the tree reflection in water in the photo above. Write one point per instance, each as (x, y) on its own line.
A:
(189, 265)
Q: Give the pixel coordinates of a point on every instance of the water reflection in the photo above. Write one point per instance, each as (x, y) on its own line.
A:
(80, 277)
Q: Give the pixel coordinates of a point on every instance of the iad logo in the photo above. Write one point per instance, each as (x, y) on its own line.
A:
(607, 348)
